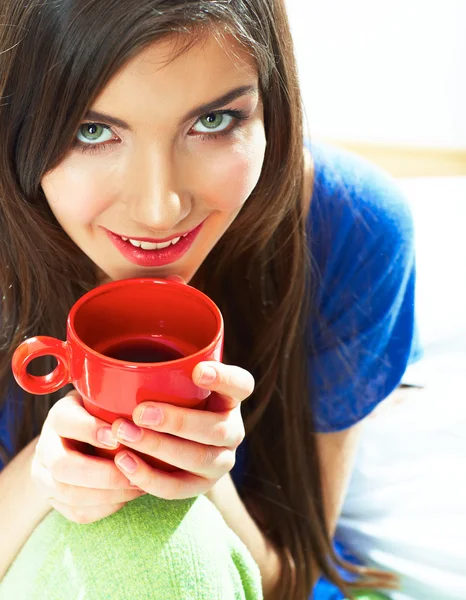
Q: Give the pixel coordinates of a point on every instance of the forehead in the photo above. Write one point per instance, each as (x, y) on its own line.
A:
(165, 71)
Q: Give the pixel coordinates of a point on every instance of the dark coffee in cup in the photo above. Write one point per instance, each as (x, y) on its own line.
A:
(148, 349)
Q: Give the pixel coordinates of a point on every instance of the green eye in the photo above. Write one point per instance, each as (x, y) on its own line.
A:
(89, 133)
(213, 122)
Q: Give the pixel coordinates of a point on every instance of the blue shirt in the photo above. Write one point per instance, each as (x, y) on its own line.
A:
(361, 240)
(361, 335)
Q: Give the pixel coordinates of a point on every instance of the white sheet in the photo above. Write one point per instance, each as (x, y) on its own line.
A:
(439, 211)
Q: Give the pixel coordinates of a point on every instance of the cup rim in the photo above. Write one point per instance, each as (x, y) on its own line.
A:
(105, 287)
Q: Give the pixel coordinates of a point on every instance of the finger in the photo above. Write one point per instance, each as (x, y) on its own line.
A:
(70, 419)
(235, 383)
(70, 466)
(87, 514)
(78, 496)
(169, 486)
(223, 429)
(200, 459)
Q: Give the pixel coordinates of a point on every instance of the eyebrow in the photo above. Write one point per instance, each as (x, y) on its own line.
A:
(243, 90)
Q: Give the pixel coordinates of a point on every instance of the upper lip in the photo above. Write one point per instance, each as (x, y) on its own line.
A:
(153, 240)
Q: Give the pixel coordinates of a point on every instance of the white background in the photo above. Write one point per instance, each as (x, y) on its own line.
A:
(383, 71)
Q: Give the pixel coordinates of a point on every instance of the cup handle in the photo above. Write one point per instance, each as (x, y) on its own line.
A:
(34, 348)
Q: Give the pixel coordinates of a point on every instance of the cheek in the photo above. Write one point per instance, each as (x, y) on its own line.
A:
(75, 196)
(234, 175)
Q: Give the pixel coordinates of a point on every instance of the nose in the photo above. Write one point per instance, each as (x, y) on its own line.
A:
(152, 193)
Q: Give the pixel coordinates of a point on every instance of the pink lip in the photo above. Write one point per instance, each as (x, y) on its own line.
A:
(154, 258)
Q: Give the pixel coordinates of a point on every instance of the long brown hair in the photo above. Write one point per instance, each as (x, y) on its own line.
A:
(55, 57)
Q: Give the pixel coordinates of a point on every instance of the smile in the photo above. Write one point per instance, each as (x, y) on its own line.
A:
(146, 252)
(153, 245)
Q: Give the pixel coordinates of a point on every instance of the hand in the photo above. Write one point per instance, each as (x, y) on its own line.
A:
(82, 488)
(200, 442)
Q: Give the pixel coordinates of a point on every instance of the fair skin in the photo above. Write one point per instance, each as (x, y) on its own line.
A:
(158, 176)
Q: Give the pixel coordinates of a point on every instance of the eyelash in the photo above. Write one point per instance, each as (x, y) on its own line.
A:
(238, 115)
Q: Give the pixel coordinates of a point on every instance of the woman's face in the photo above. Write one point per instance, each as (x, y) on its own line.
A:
(168, 149)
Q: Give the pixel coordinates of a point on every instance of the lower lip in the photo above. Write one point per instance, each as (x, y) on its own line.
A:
(154, 258)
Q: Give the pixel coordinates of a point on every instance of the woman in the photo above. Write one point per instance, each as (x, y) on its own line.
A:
(121, 126)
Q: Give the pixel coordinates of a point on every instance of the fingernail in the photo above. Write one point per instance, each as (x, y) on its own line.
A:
(129, 432)
(127, 463)
(208, 375)
(105, 437)
(151, 416)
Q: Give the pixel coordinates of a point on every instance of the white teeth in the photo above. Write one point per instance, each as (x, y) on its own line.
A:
(148, 246)
(154, 246)
(162, 245)
(151, 245)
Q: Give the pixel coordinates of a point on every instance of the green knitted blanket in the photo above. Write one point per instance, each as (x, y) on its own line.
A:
(151, 549)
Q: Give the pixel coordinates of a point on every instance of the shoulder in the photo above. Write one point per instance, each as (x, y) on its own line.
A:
(352, 190)
(354, 204)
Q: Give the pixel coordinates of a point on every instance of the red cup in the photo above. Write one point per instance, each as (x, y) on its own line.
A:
(129, 341)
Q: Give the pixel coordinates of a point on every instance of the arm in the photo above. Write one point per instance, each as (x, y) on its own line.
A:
(227, 500)
(337, 453)
(22, 507)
